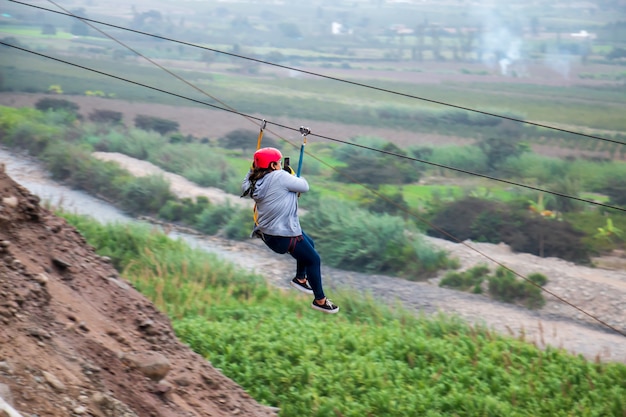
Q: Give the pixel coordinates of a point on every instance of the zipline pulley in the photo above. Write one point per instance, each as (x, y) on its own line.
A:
(260, 138)
(304, 131)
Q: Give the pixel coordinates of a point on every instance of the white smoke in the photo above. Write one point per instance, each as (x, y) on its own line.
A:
(499, 46)
(559, 63)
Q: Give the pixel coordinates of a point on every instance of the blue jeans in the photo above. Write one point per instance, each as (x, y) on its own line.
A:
(308, 261)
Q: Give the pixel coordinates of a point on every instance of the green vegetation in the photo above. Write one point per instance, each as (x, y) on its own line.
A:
(503, 285)
(452, 211)
(369, 360)
(69, 159)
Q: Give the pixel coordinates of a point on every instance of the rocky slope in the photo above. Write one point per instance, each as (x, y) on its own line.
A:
(77, 339)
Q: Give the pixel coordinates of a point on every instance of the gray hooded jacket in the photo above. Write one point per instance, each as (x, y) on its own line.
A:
(276, 197)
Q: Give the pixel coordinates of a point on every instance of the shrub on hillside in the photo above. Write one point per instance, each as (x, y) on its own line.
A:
(389, 202)
(502, 285)
(244, 140)
(616, 190)
(178, 138)
(56, 104)
(145, 195)
(240, 225)
(134, 142)
(464, 281)
(376, 169)
(157, 124)
(468, 158)
(371, 167)
(494, 222)
(106, 116)
(33, 137)
(352, 238)
(457, 218)
(505, 286)
(550, 238)
(184, 210)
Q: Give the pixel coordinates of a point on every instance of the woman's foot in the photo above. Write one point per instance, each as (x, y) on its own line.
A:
(301, 284)
(325, 306)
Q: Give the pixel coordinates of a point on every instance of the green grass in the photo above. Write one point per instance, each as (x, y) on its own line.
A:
(367, 360)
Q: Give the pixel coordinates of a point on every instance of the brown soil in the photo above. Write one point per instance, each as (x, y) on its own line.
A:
(77, 339)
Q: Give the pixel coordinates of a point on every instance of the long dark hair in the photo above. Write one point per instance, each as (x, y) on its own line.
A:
(255, 175)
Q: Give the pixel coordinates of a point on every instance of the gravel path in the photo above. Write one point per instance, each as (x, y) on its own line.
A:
(599, 292)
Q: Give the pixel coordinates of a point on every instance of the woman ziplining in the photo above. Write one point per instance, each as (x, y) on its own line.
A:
(275, 192)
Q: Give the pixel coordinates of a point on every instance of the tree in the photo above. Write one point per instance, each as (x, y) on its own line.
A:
(243, 139)
(616, 190)
(385, 202)
(498, 150)
(162, 126)
(106, 116)
(56, 104)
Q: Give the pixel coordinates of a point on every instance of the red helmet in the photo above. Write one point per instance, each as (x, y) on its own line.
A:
(265, 156)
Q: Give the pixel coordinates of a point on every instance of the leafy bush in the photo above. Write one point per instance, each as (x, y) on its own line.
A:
(56, 104)
(468, 158)
(29, 129)
(494, 222)
(145, 195)
(351, 238)
(239, 225)
(184, 210)
(591, 221)
(374, 168)
(157, 124)
(499, 150)
(458, 217)
(245, 140)
(75, 166)
(389, 202)
(616, 189)
(33, 137)
(550, 238)
(213, 218)
(106, 116)
(177, 138)
(470, 279)
(505, 286)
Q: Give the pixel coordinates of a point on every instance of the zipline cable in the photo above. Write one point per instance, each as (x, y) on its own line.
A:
(250, 117)
(329, 77)
(263, 124)
(602, 322)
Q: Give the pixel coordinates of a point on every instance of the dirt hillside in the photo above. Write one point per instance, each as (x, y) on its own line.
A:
(77, 339)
